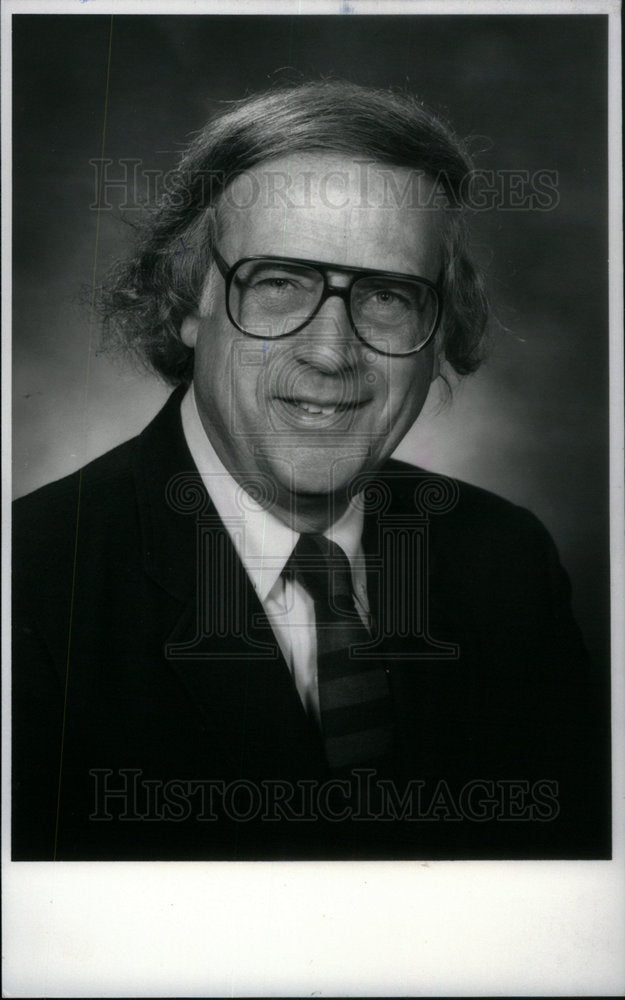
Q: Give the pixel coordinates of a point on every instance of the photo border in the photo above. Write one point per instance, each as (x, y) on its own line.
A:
(310, 928)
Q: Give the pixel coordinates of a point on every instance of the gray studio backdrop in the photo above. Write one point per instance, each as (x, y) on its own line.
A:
(532, 425)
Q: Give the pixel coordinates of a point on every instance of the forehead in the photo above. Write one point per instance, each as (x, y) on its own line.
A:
(336, 209)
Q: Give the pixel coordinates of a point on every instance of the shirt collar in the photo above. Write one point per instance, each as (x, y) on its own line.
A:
(263, 542)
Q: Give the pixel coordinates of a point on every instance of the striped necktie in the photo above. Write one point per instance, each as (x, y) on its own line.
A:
(354, 697)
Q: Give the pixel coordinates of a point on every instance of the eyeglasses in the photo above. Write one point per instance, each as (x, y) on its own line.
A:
(274, 297)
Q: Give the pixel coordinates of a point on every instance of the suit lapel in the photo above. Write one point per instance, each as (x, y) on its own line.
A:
(244, 690)
(420, 635)
(403, 563)
(221, 646)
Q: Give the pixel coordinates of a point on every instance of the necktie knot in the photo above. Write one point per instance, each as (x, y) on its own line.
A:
(323, 569)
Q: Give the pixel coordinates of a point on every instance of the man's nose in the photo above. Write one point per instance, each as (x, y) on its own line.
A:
(328, 342)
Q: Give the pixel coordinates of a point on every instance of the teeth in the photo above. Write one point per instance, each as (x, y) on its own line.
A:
(312, 408)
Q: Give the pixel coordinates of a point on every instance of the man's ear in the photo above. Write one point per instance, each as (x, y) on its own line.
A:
(189, 330)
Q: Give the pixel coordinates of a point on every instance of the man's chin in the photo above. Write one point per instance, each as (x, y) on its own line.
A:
(311, 480)
(308, 489)
(322, 497)
(314, 479)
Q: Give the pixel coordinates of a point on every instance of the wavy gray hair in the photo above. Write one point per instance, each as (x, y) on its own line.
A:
(146, 297)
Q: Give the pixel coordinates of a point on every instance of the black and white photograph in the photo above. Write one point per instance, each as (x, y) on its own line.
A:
(312, 392)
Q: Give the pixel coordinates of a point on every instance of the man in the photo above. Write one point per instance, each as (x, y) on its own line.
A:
(248, 633)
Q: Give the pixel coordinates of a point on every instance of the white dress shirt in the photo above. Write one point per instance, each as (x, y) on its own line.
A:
(264, 545)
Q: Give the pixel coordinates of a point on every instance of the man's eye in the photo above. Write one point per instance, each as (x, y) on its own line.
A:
(275, 282)
(386, 297)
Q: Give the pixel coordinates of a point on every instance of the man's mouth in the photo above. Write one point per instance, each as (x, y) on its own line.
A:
(318, 408)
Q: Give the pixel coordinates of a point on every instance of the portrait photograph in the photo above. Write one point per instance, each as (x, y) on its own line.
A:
(312, 487)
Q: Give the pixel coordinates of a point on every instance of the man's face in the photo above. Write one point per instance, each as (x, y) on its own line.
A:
(312, 410)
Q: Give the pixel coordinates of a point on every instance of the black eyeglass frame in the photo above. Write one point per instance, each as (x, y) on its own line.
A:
(227, 272)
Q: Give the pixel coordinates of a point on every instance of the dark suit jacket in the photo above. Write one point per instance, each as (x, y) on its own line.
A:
(124, 681)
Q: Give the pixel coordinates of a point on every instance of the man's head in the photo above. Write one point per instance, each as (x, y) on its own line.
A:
(310, 409)
(332, 173)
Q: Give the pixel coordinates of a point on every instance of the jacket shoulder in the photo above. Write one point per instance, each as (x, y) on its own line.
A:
(94, 514)
(52, 500)
(49, 523)
(454, 501)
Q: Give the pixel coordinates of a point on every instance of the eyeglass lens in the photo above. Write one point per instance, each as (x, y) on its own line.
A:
(270, 298)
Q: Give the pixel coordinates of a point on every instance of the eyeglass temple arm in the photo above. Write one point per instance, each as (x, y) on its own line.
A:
(220, 262)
